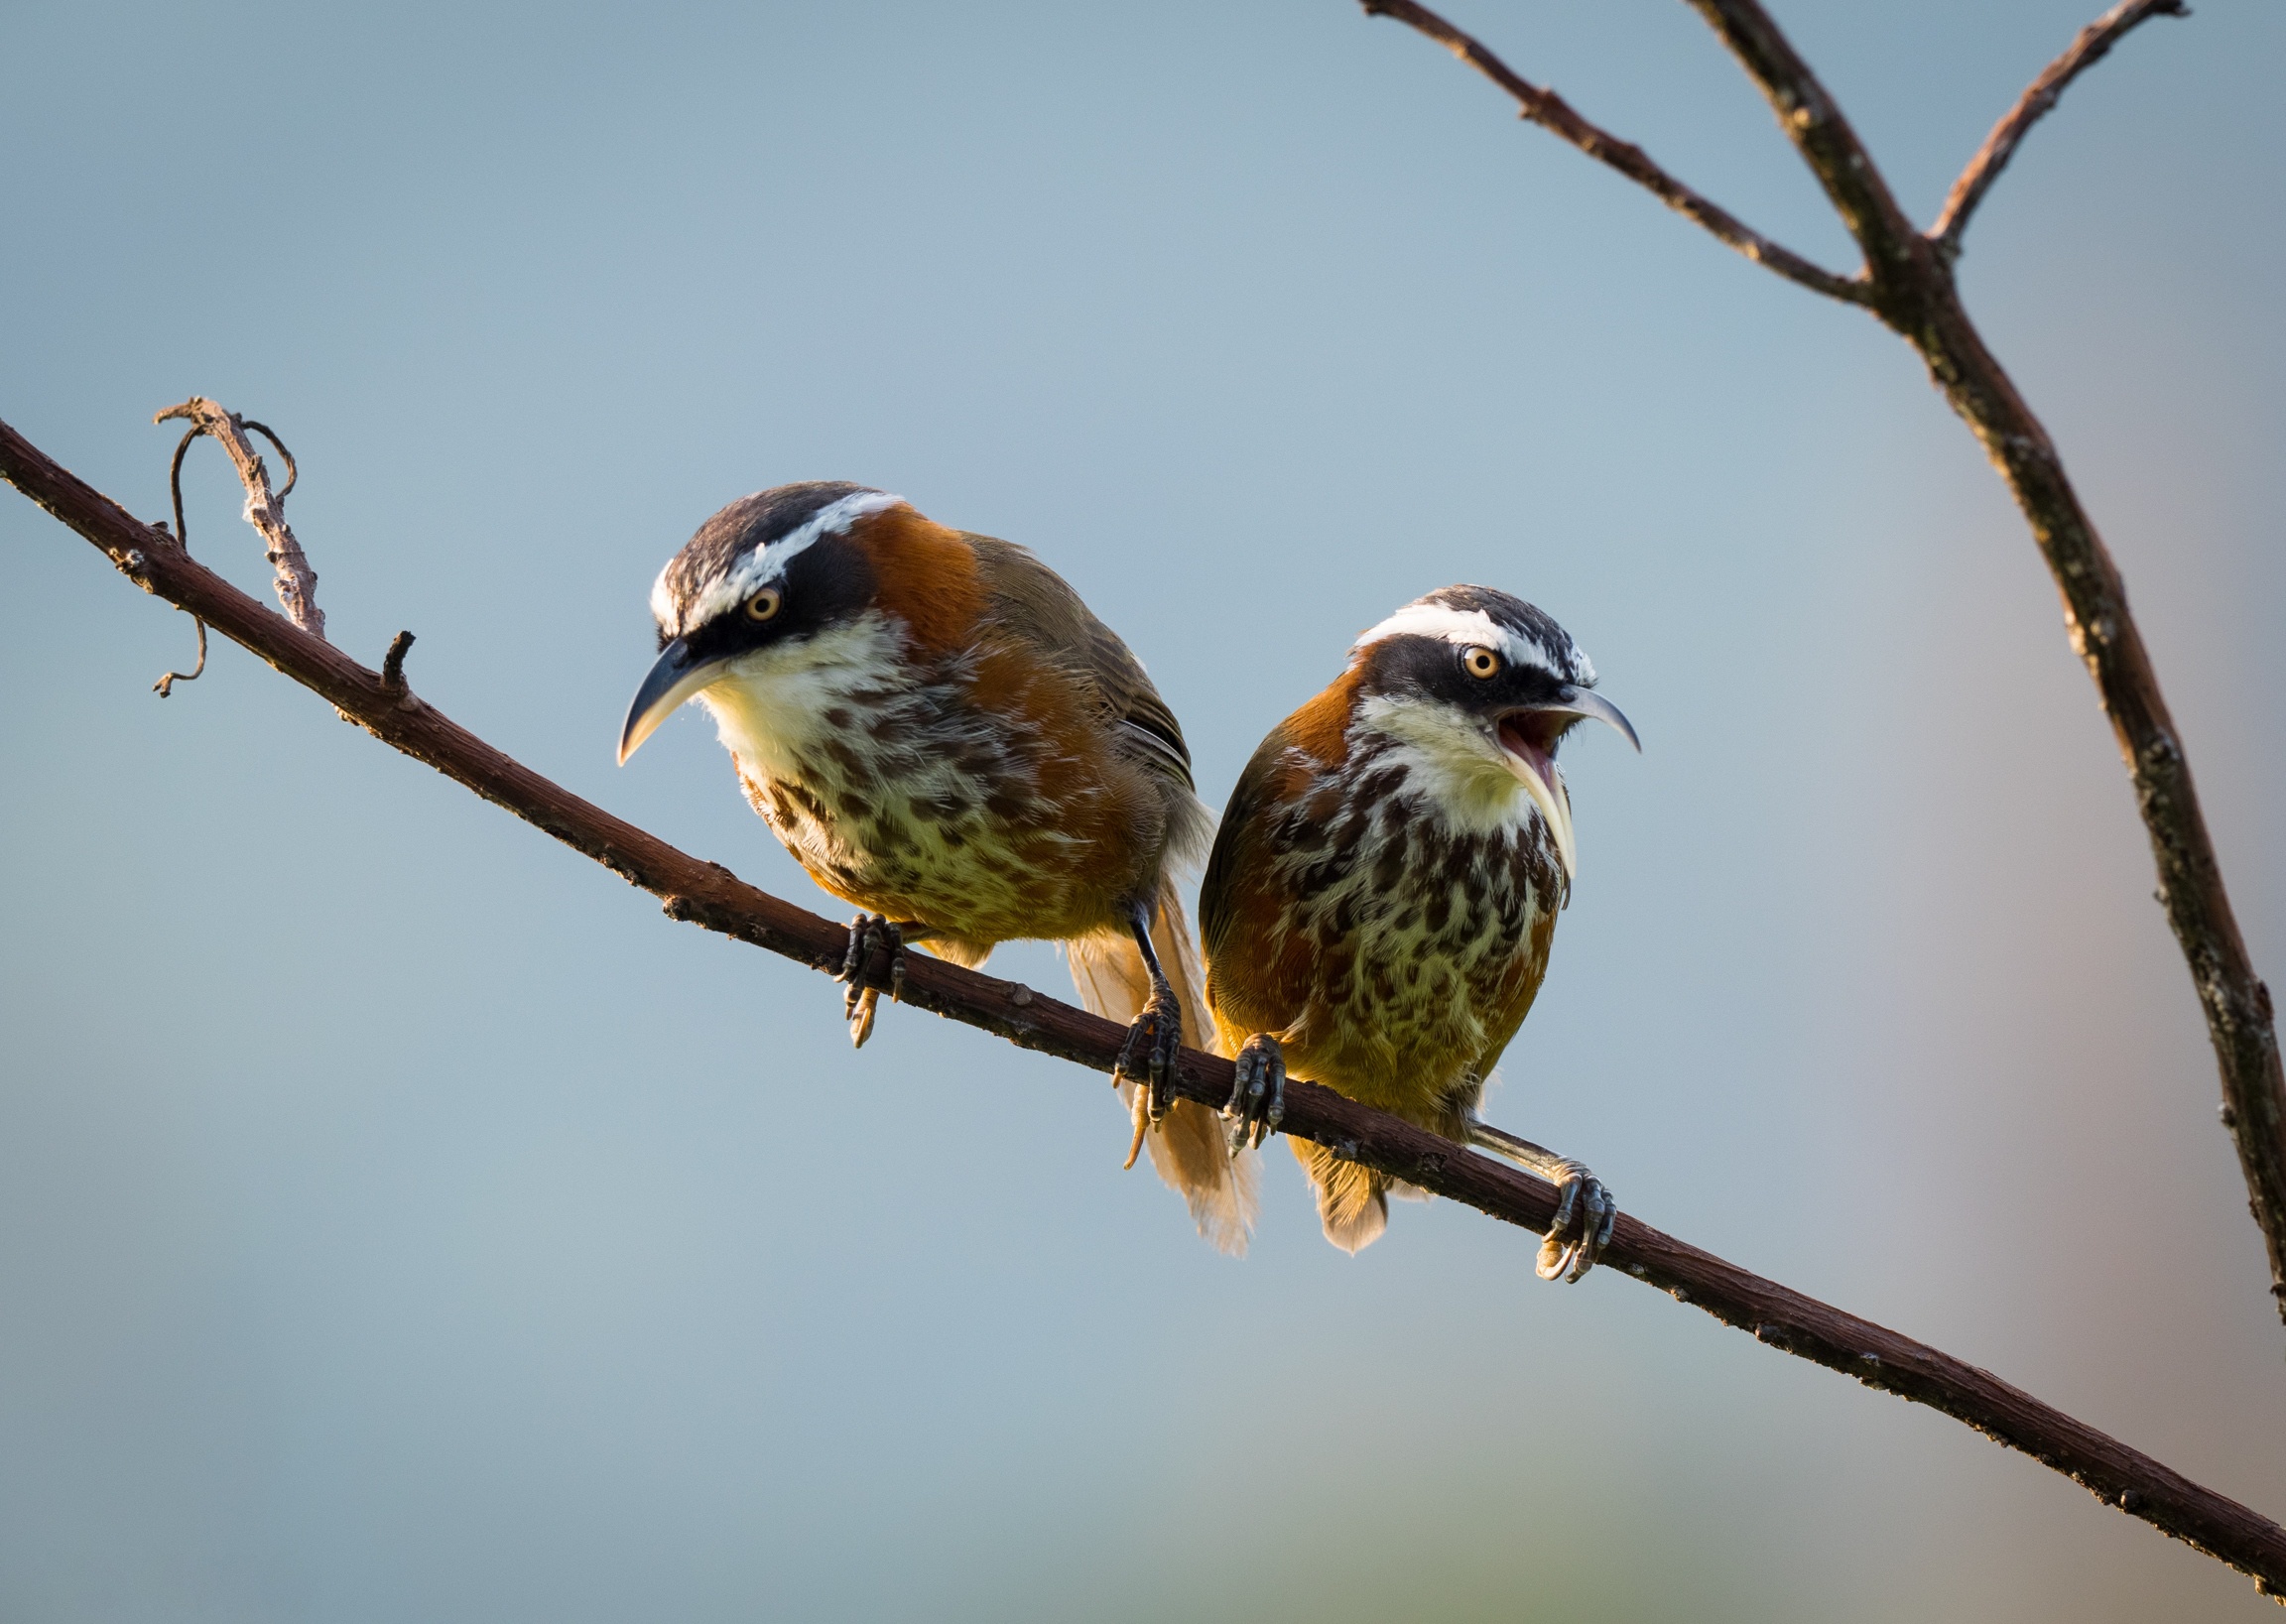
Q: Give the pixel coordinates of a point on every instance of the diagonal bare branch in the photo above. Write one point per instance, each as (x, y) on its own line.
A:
(1915, 293)
(1909, 284)
(1553, 113)
(2091, 46)
(709, 895)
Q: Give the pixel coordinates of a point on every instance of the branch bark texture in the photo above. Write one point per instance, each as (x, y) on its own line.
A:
(709, 894)
(1908, 282)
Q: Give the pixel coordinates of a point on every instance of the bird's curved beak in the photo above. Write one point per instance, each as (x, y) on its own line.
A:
(677, 676)
(1579, 701)
(1534, 763)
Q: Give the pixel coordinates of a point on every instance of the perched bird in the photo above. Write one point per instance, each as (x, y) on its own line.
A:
(1384, 887)
(940, 733)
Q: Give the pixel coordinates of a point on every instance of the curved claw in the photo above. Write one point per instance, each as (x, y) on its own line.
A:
(1142, 1107)
(1258, 1096)
(1565, 1255)
(867, 931)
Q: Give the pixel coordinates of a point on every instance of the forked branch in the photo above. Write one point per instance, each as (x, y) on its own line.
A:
(1813, 122)
(1909, 284)
(710, 896)
(1553, 113)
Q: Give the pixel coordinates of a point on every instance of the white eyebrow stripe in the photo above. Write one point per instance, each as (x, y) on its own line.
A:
(1463, 628)
(766, 563)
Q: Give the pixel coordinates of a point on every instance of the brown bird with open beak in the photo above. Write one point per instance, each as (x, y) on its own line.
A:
(941, 734)
(1383, 891)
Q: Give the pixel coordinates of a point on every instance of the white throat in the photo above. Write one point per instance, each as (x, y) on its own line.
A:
(1452, 760)
(770, 707)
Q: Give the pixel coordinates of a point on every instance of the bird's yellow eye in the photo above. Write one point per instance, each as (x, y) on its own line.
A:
(1481, 663)
(765, 604)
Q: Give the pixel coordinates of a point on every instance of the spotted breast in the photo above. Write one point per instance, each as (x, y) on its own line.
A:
(1383, 891)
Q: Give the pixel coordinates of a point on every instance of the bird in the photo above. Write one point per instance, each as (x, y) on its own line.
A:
(1382, 893)
(942, 733)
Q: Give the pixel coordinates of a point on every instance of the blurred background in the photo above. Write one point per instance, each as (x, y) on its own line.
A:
(400, 1219)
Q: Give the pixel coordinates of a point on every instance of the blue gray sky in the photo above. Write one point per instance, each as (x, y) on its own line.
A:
(400, 1219)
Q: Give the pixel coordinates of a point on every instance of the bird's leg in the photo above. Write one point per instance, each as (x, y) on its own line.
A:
(1147, 1059)
(1258, 1098)
(1578, 1192)
(867, 931)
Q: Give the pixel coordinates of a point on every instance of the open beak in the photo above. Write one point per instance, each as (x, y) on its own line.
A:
(677, 676)
(1534, 764)
(1578, 701)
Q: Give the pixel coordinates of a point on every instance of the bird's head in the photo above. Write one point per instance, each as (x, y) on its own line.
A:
(776, 585)
(1480, 687)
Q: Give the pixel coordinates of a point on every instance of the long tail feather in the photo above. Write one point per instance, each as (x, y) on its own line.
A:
(1352, 1201)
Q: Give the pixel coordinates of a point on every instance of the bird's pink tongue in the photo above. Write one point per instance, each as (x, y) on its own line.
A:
(1516, 738)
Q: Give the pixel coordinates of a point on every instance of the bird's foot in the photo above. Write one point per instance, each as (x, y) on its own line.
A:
(1147, 1059)
(1258, 1097)
(867, 932)
(1585, 1210)
(1584, 1214)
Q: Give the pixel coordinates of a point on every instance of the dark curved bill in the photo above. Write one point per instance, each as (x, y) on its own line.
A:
(1579, 701)
(677, 676)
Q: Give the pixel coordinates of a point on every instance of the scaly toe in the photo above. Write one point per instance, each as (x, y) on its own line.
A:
(853, 955)
(1596, 1230)
(1258, 1095)
(1584, 1216)
(1164, 1054)
(860, 1001)
(1148, 1058)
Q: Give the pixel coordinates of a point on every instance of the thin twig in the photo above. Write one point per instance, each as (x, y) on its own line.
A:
(293, 473)
(1553, 113)
(165, 687)
(296, 582)
(1911, 288)
(710, 896)
(2093, 43)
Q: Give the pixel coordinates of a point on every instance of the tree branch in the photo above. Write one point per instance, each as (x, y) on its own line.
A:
(709, 895)
(1910, 287)
(2092, 43)
(1553, 113)
(1915, 293)
(296, 582)
(1813, 121)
